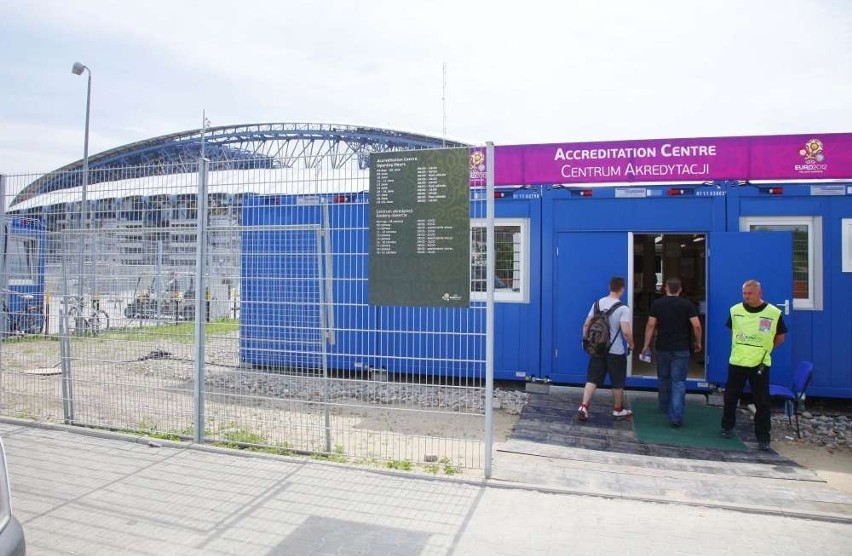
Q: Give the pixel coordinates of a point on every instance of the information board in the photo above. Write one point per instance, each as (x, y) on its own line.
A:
(420, 228)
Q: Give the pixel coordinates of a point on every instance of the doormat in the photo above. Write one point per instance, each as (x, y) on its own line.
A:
(700, 428)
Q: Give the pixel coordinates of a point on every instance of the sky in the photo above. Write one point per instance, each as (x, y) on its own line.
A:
(518, 72)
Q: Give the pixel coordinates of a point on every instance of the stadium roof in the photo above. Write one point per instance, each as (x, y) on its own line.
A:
(265, 181)
(248, 146)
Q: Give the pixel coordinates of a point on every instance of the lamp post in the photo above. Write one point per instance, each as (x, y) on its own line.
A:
(77, 69)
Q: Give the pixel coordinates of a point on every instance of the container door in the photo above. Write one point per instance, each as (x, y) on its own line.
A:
(585, 262)
(735, 257)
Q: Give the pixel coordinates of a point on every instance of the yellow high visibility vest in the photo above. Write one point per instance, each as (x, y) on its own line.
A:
(753, 335)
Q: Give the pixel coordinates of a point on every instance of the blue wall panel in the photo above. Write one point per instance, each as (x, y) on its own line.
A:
(420, 340)
(822, 335)
(402, 340)
(608, 209)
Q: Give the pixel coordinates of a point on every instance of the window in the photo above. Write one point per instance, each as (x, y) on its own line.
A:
(846, 241)
(22, 260)
(511, 266)
(807, 253)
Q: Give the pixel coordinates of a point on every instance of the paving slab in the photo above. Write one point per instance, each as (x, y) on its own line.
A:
(550, 449)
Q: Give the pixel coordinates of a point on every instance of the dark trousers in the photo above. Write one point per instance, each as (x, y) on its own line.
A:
(759, 380)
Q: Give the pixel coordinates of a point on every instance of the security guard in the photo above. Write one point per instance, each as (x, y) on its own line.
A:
(757, 327)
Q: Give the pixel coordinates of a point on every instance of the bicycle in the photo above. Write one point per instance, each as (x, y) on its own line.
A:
(28, 319)
(97, 319)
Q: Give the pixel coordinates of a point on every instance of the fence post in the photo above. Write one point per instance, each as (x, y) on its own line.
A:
(65, 353)
(489, 307)
(200, 301)
(320, 232)
(3, 312)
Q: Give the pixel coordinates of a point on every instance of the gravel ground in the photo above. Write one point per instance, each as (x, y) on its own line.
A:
(832, 431)
(145, 383)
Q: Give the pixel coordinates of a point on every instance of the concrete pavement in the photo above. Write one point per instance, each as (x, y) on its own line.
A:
(81, 493)
(550, 449)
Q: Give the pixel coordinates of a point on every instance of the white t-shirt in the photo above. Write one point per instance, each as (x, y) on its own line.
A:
(622, 314)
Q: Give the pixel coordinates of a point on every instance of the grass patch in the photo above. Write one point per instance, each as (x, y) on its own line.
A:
(244, 439)
(400, 465)
(369, 462)
(29, 339)
(449, 468)
(151, 430)
(338, 456)
(20, 414)
(164, 435)
(236, 437)
(183, 332)
(432, 468)
(282, 449)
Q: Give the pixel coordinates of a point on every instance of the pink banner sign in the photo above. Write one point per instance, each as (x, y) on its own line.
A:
(478, 173)
(783, 157)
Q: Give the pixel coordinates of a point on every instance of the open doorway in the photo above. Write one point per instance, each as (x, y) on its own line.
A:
(657, 257)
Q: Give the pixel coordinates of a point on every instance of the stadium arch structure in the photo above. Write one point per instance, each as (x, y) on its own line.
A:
(144, 192)
(247, 146)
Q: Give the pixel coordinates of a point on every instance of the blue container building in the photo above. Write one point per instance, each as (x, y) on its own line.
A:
(795, 238)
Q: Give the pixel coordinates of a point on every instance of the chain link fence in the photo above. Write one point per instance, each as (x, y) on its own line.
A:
(295, 360)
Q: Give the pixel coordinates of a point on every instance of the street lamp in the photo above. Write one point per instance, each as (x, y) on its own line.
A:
(77, 69)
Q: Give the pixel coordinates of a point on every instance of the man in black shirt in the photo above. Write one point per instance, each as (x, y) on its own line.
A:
(676, 321)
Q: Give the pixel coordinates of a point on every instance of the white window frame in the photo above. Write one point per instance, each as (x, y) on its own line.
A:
(25, 251)
(814, 301)
(523, 294)
(846, 242)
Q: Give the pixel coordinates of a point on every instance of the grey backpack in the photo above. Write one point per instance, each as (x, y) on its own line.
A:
(596, 341)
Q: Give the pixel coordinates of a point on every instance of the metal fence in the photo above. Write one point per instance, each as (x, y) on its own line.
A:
(294, 358)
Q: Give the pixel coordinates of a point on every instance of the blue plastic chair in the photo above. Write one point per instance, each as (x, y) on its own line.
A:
(792, 396)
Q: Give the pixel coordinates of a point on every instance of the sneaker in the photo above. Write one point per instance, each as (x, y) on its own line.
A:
(725, 433)
(764, 447)
(583, 412)
(623, 413)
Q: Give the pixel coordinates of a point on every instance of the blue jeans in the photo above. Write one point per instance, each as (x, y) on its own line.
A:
(672, 368)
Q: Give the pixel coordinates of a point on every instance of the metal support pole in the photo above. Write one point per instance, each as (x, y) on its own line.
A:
(200, 301)
(159, 289)
(323, 339)
(489, 308)
(78, 69)
(329, 285)
(65, 353)
(203, 131)
(3, 281)
(4, 230)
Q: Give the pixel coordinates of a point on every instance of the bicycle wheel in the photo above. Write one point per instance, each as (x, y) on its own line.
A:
(104, 318)
(32, 322)
(93, 325)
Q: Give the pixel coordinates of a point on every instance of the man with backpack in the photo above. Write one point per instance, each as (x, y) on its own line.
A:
(607, 338)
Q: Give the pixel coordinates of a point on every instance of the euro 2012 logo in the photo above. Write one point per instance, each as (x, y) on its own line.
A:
(812, 151)
(477, 161)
